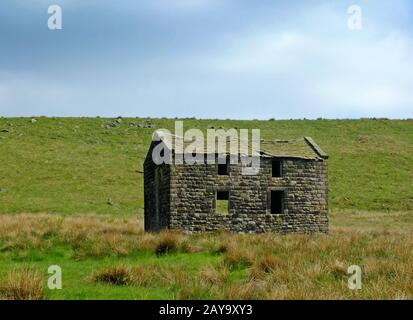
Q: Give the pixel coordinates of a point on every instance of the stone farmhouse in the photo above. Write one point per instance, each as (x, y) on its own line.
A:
(287, 195)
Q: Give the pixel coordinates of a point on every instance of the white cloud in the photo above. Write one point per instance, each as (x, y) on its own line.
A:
(243, 60)
(373, 76)
(261, 52)
(369, 72)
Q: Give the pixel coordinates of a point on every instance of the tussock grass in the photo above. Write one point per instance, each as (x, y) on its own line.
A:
(118, 275)
(247, 290)
(338, 268)
(238, 250)
(269, 263)
(168, 242)
(238, 257)
(211, 275)
(23, 284)
(265, 265)
(142, 275)
(217, 265)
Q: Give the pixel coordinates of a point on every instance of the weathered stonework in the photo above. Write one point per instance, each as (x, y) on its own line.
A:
(184, 197)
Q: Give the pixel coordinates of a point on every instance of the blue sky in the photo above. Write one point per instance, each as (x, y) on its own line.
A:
(207, 58)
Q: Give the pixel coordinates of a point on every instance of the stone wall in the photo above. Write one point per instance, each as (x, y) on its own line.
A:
(304, 182)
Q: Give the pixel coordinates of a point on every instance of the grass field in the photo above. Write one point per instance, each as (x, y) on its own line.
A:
(71, 194)
(112, 258)
(87, 166)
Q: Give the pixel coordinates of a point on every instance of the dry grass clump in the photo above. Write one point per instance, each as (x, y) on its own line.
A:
(94, 226)
(117, 275)
(173, 276)
(28, 231)
(210, 275)
(99, 237)
(23, 284)
(236, 266)
(246, 290)
(237, 256)
(12, 226)
(168, 242)
(265, 265)
(268, 263)
(142, 276)
(339, 268)
(186, 285)
(89, 236)
(171, 241)
(224, 246)
(240, 250)
(193, 290)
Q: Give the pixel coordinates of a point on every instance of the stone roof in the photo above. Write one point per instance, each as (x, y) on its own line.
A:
(302, 148)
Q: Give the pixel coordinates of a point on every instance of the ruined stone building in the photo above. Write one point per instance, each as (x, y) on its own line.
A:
(288, 194)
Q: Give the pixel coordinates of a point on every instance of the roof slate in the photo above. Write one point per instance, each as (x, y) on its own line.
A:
(302, 148)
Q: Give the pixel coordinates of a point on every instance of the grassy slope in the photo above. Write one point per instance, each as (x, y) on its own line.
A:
(78, 166)
(81, 166)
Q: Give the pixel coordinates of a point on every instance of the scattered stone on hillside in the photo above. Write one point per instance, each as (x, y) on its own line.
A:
(146, 125)
(111, 124)
(33, 120)
(110, 202)
(116, 123)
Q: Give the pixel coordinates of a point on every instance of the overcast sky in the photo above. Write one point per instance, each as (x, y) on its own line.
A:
(207, 58)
